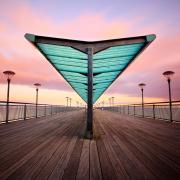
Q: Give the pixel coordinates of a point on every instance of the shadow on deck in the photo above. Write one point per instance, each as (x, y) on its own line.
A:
(123, 148)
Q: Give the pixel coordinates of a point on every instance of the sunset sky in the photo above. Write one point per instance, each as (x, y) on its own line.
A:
(89, 20)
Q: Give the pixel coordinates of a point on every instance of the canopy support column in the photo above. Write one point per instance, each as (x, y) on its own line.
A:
(89, 132)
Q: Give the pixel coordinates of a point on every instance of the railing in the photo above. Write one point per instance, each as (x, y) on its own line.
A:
(23, 111)
(157, 110)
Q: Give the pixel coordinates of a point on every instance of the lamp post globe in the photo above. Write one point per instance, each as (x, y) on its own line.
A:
(168, 75)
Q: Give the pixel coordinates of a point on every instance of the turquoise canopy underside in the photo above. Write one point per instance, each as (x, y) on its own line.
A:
(107, 65)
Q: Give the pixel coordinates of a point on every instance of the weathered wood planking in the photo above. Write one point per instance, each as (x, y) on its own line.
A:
(123, 148)
(143, 146)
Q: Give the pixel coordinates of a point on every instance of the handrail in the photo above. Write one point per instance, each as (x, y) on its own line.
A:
(16, 102)
(155, 110)
(14, 111)
(162, 102)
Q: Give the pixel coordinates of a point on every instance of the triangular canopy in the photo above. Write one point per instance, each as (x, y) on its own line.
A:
(110, 59)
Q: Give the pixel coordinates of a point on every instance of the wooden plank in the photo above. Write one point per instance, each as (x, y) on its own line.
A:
(22, 159)
(59, 169)
(61, 165)
(146, 142)
(51, 164)
(108, 172)
(95, 168)
(116, 163)
(83, 169)
(123, 148)
(158, 162)
(73, 164)
(126, 162)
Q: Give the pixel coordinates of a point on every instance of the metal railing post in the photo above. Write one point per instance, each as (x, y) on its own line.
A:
(154, 115)
(134, 110)
(25, 112)
(45, 111)
(128, 109)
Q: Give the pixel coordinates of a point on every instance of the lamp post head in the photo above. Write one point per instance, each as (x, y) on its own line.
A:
(9, 74)
(37, 85)
(142, 85)
(168, 74)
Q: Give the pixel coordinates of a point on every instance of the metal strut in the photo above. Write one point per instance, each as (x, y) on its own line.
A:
(89, 132)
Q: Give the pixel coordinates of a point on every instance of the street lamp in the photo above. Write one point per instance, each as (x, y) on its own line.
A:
(70, 99)
(102, 103)
(37, 85)
(112, 102)
(142, 85)
(77, 102)
(168, 75)
(67, 98)
(9, 75)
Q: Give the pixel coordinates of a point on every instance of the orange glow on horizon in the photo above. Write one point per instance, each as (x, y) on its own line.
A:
(20, 93)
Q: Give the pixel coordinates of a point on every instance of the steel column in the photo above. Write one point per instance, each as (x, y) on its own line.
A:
(90, 94)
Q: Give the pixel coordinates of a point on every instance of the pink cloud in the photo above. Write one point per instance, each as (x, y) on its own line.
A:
(96, 27)
(29, 72)
(30, 66)
(22, 57)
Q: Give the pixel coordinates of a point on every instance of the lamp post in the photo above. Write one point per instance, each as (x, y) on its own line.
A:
(70, 99)
(142, 85)
(168, 75)
(112, 102)
(37, 85)
(9, 75)
(77, 102)
(102, 103)
(67, 99)
(109, 102)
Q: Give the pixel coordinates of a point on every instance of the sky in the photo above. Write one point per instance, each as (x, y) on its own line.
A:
(89, 20)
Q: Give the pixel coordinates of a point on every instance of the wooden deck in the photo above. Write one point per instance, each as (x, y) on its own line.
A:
(123, 148)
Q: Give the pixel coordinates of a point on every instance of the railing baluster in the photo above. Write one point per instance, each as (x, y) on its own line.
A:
(45, 110)
(25, 112)
(154, 115)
